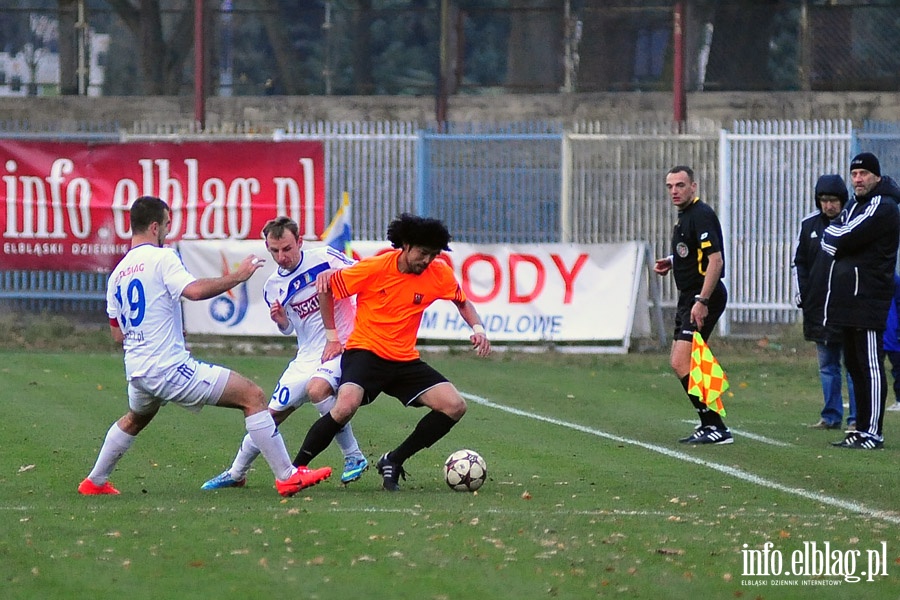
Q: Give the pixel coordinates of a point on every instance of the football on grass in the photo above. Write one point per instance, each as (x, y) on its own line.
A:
(465, 471)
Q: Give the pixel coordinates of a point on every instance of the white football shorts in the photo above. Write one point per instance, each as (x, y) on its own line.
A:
(190, 385)
(290, 392)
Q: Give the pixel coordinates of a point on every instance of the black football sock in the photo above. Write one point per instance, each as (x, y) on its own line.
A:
(317, 439)
(715, 419)
(702, 410)
(430, 429)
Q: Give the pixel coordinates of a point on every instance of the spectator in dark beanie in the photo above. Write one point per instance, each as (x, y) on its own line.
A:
(812, 267)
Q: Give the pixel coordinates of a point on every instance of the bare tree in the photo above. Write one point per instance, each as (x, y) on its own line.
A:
(286, 62)
(535, 51)
(161, 58)
(68, 52)
(363, 79)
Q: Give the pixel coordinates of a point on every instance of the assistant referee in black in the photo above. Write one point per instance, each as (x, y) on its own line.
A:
(698, 265)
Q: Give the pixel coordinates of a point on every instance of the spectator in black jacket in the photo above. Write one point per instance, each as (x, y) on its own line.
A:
(812, 266)
(863, 242)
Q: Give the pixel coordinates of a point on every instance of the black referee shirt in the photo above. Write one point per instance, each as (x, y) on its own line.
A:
(697, 234)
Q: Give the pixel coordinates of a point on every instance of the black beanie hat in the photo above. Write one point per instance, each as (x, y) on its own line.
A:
(831, 185)
(867, 161)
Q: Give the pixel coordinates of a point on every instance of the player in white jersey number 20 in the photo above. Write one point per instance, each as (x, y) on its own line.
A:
(293, 303)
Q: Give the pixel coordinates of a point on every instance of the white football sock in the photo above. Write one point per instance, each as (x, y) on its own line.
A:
(247, 453)
(117, 442)
(267, 438)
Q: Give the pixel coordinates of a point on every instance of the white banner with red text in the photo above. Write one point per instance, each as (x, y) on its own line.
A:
(593, 293)
(64, 205)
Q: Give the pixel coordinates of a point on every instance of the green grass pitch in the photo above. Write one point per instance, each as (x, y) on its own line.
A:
(589, 494)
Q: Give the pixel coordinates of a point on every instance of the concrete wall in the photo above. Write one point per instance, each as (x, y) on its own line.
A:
(266, 113)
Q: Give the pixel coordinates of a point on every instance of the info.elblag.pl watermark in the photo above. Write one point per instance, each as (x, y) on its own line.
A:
(814, 564)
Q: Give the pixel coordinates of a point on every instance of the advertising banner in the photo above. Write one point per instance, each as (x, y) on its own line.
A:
(64, 206)
(524, 293)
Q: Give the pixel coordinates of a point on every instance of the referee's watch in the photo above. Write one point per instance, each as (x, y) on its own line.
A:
(701, 300)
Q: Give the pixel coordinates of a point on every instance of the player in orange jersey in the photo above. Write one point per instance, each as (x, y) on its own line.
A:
(392, 291)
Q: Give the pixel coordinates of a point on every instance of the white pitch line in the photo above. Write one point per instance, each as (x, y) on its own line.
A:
(855, 507)
(752, 436)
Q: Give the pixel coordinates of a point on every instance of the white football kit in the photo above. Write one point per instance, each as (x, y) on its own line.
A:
(143, 295)
(296, 291)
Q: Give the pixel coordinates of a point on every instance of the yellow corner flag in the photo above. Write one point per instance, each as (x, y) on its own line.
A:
(707, 379)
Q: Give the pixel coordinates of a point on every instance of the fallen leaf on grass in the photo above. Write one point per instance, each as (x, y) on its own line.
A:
(670, 551)
(24, 468)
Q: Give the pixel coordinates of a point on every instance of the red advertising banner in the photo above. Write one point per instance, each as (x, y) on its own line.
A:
(64, 206)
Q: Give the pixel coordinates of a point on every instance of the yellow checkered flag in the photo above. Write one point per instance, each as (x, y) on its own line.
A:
(707, 379)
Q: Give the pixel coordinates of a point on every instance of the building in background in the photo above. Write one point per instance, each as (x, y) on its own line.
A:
(33, 70)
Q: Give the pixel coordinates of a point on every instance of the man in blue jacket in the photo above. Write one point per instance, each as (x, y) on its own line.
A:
(863, 242)
(892, 344)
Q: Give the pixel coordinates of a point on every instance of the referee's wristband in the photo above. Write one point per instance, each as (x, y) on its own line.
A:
(479, 328)
(701, 300)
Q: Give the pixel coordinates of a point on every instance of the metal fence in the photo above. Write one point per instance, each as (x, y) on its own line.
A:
(771, 172)
(53, 291)
(377, 163)
(584, 183)
(614, 177)
(499, 188)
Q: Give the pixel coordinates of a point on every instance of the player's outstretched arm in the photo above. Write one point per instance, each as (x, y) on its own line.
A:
(210, 287)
